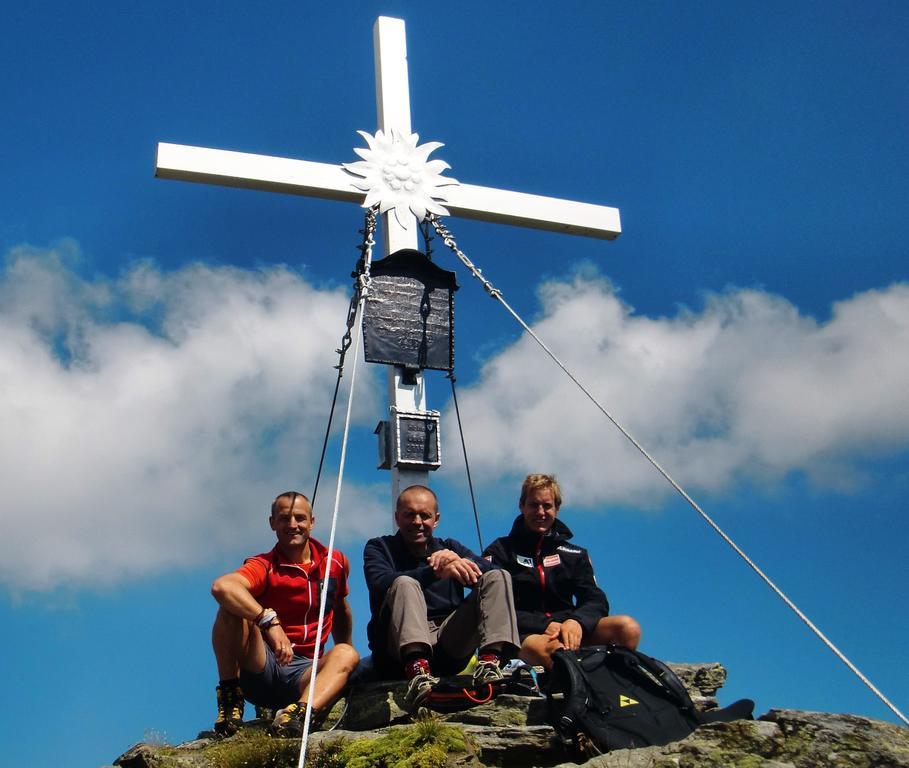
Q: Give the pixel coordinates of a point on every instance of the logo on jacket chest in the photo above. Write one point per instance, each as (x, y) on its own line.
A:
(527, 562)
(550, 560)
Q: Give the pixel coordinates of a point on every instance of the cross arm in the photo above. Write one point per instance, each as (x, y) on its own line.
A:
(534, 211)
(248, 171)
(332, 182)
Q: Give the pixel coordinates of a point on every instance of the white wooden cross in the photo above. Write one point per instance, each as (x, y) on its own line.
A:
(300, 177)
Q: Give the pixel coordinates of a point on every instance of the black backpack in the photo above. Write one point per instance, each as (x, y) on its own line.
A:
(608, 697)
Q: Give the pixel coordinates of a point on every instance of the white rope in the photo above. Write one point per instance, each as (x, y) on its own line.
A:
(331, 541)
(495, 293)
(363, 289)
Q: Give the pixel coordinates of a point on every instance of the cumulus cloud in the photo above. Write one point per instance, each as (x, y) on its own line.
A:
(747, 388)
(148, 420)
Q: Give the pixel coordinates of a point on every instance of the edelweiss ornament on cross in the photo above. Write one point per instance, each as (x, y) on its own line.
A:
(395, 173)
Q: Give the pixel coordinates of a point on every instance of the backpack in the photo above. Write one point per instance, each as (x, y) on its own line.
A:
(608, 697)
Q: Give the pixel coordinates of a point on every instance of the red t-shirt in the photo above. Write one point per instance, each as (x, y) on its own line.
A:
(294, 590)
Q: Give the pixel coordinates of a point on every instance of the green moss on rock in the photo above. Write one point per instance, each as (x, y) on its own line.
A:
(252, 749)
(425, 744)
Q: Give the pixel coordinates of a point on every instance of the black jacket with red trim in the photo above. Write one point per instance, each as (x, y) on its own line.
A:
(552, 579)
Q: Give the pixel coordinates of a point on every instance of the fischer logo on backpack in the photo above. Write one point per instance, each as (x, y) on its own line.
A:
(608, 697)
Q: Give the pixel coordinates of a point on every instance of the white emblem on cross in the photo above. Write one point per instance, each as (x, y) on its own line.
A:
(397, 174)
(334, 182)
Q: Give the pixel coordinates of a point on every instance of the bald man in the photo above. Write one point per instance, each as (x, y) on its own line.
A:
(434, 602)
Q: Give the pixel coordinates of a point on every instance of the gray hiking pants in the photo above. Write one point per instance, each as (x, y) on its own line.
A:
(485, 617)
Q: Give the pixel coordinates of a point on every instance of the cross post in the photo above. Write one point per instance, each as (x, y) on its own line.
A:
(301, 177)
(393, 112)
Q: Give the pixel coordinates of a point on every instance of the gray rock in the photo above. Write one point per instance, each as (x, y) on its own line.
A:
(779, 739)
(840, 741)
(375, 705)
(702, 681)
(511, 732)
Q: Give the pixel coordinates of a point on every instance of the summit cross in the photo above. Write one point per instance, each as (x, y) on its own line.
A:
(333, 182)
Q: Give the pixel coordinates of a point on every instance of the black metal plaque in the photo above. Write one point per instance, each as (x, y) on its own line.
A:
(417, 441)
(409, 314)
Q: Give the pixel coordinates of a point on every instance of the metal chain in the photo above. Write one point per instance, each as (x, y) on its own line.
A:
(495, 293)
(450, 243)
(365, 263)
(354, 322)
(361, 288)
(427, 238)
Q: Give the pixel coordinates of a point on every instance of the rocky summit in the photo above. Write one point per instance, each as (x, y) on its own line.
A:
(370, 729)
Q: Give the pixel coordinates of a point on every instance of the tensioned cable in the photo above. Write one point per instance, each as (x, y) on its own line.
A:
(342, 352)
(369, 228)
(495, 293)
(427, 245)
(362, 290)
(473, 500)
(331, 543)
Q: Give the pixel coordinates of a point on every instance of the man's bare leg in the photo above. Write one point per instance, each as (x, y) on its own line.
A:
(335, 667)
(236, 646)
(620, 630)
(537, 650)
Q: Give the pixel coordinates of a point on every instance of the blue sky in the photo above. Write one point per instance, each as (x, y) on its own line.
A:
(166, 349)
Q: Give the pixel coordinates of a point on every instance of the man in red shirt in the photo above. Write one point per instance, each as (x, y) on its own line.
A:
(264, 635)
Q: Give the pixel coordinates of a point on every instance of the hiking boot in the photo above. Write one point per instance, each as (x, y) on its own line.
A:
(487, 671)
(288, 722)
(230, 710)
(265, 713)
(418, 689)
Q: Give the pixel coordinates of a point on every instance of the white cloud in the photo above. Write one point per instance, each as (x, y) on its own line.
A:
(746, 388)
(126, 450)
(147, 421)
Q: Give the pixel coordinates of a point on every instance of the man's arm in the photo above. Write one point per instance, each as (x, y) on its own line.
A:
(459, 563)
(342, 626)
(467, 554)
(381, 570)
(461, 569)
(232, 592)
(592, 604)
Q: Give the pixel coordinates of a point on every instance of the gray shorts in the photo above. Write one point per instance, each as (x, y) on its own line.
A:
(275, 686)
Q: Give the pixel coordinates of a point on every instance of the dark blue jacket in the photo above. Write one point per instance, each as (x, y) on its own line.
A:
(387, 557)
(552, 579)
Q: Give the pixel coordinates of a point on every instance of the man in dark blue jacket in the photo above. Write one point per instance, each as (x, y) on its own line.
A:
(559, 604)
(422, 624)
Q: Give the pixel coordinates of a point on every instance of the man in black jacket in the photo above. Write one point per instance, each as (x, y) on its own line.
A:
(422, 624)
(559, 604)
